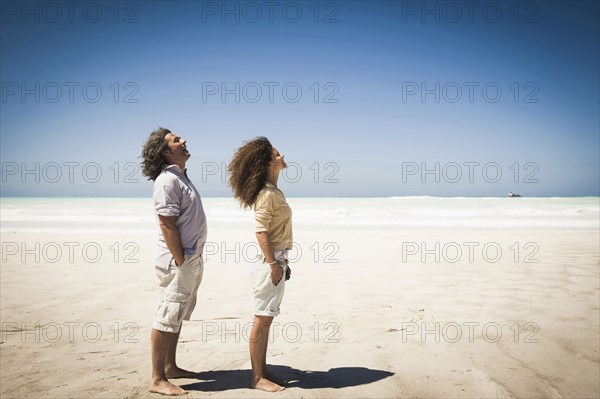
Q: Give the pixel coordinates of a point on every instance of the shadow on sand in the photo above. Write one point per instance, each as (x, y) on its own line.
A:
(340, 377)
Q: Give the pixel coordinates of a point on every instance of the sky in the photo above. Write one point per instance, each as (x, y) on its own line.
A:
(378, 98)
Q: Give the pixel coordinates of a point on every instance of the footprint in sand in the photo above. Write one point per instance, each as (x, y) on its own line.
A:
(421, 315)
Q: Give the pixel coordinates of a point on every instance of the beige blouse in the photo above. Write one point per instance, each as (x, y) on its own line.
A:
(273, 215)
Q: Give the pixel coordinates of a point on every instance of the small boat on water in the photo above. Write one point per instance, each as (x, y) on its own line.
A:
(511, 194)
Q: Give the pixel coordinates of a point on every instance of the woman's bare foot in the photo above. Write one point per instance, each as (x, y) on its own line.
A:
(164, 387)
(271, 377)
(268, 386)
(177, 372)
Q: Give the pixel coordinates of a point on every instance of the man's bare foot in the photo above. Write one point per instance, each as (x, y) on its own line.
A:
(177, 372)
(164, 387)
(274, 379)
(268, 386)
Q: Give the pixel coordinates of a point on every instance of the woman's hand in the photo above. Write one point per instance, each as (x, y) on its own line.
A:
(276, 274)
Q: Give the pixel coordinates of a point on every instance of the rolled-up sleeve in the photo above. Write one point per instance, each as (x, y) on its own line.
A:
(263, 211)
(167, 199)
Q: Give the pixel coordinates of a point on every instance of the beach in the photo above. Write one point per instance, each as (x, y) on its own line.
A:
(389, 297)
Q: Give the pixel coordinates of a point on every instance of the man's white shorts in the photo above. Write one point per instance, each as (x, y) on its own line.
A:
(178, 291)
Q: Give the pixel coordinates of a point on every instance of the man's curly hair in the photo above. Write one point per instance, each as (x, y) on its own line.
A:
(249, 170)
(153, 159)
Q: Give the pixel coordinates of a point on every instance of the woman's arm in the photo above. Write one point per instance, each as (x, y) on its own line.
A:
(267, 250)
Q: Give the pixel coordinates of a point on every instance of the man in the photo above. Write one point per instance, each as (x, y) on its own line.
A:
(179, 264)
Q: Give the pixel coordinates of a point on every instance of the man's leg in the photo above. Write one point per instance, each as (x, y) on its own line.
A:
(192, 274)
(171, 368)
(259, 338)
(159, 383)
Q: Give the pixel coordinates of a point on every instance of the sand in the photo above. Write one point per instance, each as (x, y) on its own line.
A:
(351, 328)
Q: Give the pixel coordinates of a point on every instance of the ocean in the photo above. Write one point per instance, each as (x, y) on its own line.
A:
(135, 215)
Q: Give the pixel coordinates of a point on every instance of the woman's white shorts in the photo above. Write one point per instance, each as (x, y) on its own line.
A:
(267, 296)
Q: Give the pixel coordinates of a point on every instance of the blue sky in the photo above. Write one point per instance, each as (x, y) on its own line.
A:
(360, 126)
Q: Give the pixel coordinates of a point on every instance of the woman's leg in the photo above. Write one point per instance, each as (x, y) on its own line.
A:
(266, 373)
(259, 339)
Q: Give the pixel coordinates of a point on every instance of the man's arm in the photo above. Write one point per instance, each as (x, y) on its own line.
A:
(171, 236)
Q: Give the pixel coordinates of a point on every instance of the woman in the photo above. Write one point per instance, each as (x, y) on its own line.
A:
(254, 172)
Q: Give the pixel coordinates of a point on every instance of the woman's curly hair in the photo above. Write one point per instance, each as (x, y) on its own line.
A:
(153, 160)
(249, 170)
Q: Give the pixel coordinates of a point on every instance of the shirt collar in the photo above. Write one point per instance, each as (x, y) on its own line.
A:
(176, 168)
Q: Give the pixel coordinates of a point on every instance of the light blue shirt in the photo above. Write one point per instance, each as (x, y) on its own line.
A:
(175, 195)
